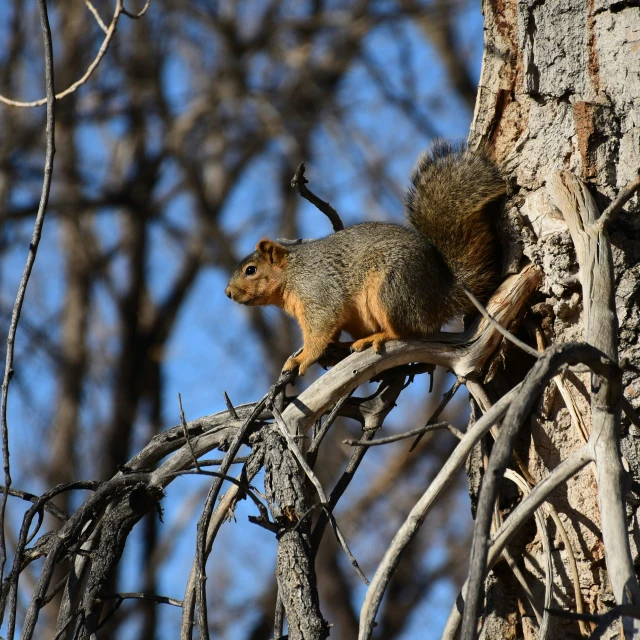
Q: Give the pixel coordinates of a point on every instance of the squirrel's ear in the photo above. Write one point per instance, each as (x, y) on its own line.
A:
(275, 253)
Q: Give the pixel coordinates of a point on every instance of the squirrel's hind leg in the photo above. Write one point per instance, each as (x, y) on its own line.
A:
(375, 340)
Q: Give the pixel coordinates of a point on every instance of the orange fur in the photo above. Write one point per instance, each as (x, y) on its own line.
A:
(264, 288)
(314, 344)
(366, 318)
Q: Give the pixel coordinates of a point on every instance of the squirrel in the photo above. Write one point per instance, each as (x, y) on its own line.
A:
(381, 281)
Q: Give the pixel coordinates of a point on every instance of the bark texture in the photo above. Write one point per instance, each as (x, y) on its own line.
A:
(560, 89)
(295, 570)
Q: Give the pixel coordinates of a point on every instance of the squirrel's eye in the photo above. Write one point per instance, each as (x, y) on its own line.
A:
(250, 270)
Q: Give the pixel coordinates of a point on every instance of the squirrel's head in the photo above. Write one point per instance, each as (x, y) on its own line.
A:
(258, 279)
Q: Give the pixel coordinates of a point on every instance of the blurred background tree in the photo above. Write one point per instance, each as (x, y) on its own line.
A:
(172, 161)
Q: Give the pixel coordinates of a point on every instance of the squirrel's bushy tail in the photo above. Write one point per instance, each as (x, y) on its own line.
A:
(448, 204)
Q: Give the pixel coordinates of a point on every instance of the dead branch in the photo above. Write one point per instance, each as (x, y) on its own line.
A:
(565, 470)
(419, 512)
(593, 250)
(104, 47)
(31, 257)
(543, 370)
(299, 183)
(407, 434)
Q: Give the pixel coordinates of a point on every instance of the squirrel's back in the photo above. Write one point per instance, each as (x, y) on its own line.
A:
(449, 203)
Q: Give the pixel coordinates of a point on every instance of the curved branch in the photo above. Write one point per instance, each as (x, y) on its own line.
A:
(419, 512)
(88, 73)
(464, 353)
(565, 470)
(31, 258)
(542, 371)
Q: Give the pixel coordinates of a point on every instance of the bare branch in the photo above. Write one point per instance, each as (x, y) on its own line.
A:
(446, 399)
(407, 434)
(420, 511)
(612, 211)
(496, 325)
(96, 15)
(543, 370)
(31, 257)
(186, 433)
(135, 16)
(565, 470)
(284, 431)
(229, 404)
(299, 182)
(90, 69)
(546, 546)
(141, 596)
(203, 522)
(604, 620)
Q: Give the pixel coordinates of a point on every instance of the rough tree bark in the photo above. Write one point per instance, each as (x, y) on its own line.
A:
(560, 90)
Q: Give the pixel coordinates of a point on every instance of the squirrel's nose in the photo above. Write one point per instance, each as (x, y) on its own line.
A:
(228, 292)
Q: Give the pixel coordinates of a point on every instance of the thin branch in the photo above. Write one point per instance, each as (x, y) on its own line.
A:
(326, 425)
(264, 513)
(284, 431)
(407, 434)
(582, 431)
(546, 547)
(603, 620)
(186, 433)
(230, 406)
(135, 16)
(565, 470)
(211, 462)
(30, 497)
(190, 594)
(629, 411)
(418, 514)
(446, 399)
(496, 325)
(612, 211)
(374, 411)
(203, 522)
(31, 257)
(88, 73)
(151, 597)
(96, 15)
(298, 182)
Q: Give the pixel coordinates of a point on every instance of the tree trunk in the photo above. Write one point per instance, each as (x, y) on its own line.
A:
(560, 90)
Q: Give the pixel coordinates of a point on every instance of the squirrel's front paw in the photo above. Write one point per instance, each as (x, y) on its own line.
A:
(298, 362)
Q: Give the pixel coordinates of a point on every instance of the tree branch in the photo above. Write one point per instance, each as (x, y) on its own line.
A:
(33, 249)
